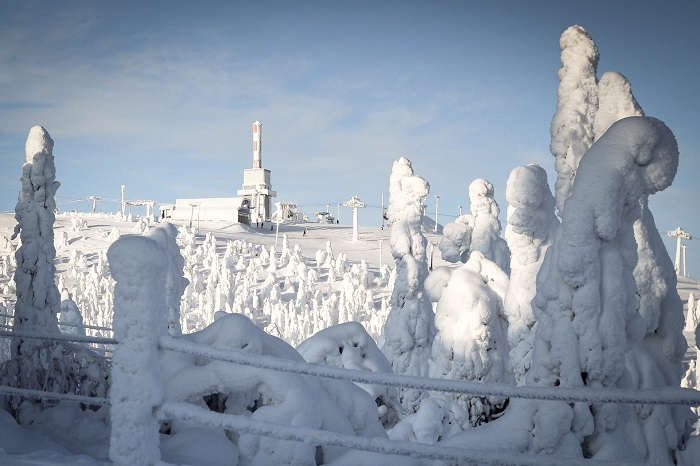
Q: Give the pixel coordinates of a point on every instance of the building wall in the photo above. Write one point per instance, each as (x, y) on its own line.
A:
(213, 208)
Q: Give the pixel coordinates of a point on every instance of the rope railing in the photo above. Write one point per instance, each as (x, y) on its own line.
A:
(666, 396)
(59, 337)
(191, 413)
(66, 324)
(39, 394)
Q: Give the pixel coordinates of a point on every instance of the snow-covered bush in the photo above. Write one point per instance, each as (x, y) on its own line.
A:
(282, 398)
(165, 235)
(456, 239)
(471, 341)
(436, 419)
(408, 334)
(70, 319)
(348, 345)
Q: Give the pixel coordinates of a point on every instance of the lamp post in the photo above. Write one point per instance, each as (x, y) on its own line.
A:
(437, 199)
(123, 205)
(382, 211)
(192, 206)
(460, 211)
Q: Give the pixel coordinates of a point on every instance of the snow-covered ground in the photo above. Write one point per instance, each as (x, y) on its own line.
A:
(90, 237)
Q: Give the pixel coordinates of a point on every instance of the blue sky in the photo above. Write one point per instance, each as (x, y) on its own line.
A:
(161, 96)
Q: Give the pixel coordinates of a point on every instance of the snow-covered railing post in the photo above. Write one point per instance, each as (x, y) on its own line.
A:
(138, 265)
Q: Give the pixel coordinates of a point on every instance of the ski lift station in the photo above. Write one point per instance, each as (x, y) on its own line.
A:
(253, 203)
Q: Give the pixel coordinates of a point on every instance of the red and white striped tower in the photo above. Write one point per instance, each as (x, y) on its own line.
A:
(257, 144)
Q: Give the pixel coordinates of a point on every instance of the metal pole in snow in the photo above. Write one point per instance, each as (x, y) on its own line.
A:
(437, 199)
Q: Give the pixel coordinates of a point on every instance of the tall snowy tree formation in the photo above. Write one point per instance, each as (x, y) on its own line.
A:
(586, 301)
(38, 298)
(409, 330)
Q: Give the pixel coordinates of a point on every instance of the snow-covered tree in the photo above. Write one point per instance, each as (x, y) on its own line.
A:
(529, 233)
(656, 361)
(456, 239)
(408, 333)
(691, 316)
(486, 230)
(471, 341)
(165, 235)
(43, 364)
(577, 102)
(70, 319)
(480, 231)
(586, 301)
(615, 102)
(38, 299)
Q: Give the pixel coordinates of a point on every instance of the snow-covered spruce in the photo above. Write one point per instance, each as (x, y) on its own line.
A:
(656, 361)
(615, 102)
(529, 233)
(409, 330)
(480, 231)
(38, 298)
(577, 102)
(586, 303)
(46, 365)
(486, 230)
(165, 235)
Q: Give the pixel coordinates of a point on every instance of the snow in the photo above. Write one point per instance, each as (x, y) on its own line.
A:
(471, 340)
(409, 330)
(530, 232)
(577, 102)
(138, 265)
(586, 292)
(563, 339)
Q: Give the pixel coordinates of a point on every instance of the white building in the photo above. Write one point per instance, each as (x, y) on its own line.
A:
(210, 208)
(253, 203)
(257, 187)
